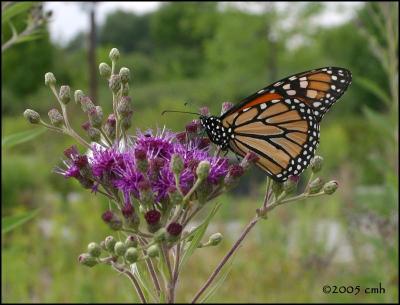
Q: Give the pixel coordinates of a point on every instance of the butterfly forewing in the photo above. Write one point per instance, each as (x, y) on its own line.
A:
(284, 133)
(319, 89)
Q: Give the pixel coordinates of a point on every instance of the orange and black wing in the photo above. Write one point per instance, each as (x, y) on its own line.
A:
(284, 133)
(319, 89)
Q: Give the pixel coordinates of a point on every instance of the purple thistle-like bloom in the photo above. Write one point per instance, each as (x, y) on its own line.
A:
(123, 170)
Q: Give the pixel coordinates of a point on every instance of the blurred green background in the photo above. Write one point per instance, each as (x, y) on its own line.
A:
(205, 54)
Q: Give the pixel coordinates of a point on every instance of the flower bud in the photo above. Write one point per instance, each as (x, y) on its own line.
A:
(125, 89)
(109, 243)
(94, 134)
(225, 107)
(131, 255)
(215, 239)
(114, 54)
(176, 164)
(119, 248)
(94, 249)
(87, 260)
(203, 169)
(86, 104)
(32, 116)
(49, 79)
(173, 231)
(126, 122)
(315, 186)
(131, 241)
(175, 197)
(153, 220)
(191, 127)
(105, 70)
(204, 111)
(330, 187)
(95, 116)
(277, 188)
(78, 95)
(289, 186)
(124, 107)
(249, 159)
(131, 218)
(65, 94)
(112, 220)
(316, 164)
(160, 235)
(109, 126)
(56, 117)
(153, 251)
(125, 75)
(115, 83)
(234, 173)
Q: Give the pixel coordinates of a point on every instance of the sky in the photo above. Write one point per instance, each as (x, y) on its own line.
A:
(69, 18)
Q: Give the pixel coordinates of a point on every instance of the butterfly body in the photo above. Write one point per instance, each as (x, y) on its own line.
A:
(280, 122)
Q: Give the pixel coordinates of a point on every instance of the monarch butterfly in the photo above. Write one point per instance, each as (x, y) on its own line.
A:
(280, 122)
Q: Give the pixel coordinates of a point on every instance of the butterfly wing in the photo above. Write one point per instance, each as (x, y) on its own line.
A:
(319, 89)
(284, 133)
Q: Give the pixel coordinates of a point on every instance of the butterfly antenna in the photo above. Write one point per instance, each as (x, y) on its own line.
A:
(177, 111)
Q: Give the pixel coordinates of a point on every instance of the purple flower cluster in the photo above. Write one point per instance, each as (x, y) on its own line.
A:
(146, 164)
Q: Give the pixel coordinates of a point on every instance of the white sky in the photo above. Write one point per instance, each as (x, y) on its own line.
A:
(69, 18)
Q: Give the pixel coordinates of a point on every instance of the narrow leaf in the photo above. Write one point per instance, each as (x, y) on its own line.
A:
(198, 235)
(372, 87)
(9, 223)
(221, 279)
(142, 275)
(20, 137)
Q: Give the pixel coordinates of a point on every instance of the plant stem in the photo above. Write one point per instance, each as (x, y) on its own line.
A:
(150, 267)
(248, 228)
(175, 273)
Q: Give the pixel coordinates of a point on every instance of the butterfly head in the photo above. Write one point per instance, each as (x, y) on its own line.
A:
(217, 133)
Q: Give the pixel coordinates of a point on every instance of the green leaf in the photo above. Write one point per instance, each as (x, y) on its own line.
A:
(372, 87)
(20, 137)
(221, 279)
(198, 235)
(14, 10)
(9, 223)
(31, 37)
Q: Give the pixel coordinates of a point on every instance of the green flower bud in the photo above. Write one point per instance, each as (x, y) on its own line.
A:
(115, 83)
(49, 79)
(316, 185)
(290, 185)
(330, 187)
(87, 260)
(131, 255)
(114, 54)
(65, 94)
(125, 90)
(94, 249)
(125, 75)
(215, 239)
(175, 196)
(56, 117)
(78, 95)
(277, 188)
(203, 170)
(86, 104)
(153, 251)
(109, 243)
(103, 245)
(105, 70)
(95, 115)
(94, 134)
(119, 248)
(126, 123)
(160, 235)
(124, 107)
(32, 116)
(131, 241)
(316, 164)
(176, 164)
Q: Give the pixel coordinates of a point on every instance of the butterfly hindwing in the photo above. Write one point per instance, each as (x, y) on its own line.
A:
(283, 132)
